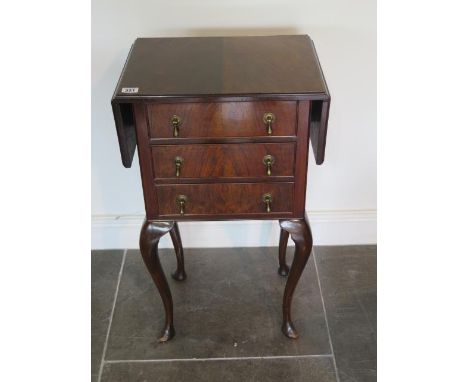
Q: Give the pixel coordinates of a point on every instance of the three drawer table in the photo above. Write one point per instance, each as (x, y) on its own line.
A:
(222, 126)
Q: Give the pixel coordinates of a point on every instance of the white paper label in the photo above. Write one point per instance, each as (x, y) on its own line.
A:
(130, 90)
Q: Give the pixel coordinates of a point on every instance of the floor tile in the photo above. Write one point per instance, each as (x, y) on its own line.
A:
(348, 281)
(252, 370)
(105, 267)
(229, 306)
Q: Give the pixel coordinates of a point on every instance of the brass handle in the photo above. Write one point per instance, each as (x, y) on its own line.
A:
(268, 161)
(268, 120)
(267, 199)
(178, 161)
(175, 120)
(181, 201)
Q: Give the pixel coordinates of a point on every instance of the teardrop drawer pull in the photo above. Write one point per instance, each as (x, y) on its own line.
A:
(268, 200)
(268, 120)
(178, 161)
(268, 161)
(175, 121)
(182, 201)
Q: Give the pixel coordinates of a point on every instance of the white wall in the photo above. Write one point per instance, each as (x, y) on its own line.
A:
(341, 196)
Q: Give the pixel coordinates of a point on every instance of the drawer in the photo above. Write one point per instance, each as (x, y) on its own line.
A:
(224, 199)
(222, 119)
(207, 161)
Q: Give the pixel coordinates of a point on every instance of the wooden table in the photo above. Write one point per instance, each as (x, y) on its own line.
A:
(222, 126)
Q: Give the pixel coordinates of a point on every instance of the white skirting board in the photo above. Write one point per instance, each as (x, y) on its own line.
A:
(328, 228)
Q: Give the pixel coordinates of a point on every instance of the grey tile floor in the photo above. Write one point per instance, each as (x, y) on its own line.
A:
(228, 317)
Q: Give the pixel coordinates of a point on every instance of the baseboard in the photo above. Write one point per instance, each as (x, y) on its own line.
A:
(328, 228)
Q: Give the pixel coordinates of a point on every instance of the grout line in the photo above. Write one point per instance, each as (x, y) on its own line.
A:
(326, 318)
(216, 359)
(104, 350)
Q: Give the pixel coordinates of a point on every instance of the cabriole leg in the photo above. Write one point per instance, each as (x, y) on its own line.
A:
(151, 233)
(283, 269)
(179, 273)
(302, 237)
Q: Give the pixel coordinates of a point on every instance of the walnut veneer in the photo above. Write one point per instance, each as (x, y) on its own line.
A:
(222, 126)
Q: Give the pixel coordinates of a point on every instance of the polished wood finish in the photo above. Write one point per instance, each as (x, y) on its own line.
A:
(123, 117)
(318, 128)
(179, 273)
(302, 153)
(219, 69)
(283, 269)
(235, 199)
(151, 232)
(202, 162)
(220, 140)
(222, 66)
(146, 169)
(222, 119)
(204, 104)
(302, 237)
(156, 204)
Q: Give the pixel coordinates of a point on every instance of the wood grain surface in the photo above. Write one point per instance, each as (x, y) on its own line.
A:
(223, 161)
(233, 199)
(222, 119)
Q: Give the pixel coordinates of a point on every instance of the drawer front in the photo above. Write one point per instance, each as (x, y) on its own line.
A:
(222, 119)
(256, 160)
(224, 199)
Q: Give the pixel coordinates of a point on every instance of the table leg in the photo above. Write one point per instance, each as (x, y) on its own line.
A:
(179, 273)
(302, 237)
(151, 232)
(283, 269)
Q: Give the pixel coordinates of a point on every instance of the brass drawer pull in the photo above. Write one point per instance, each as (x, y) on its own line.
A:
(182, 201)
(176, 121)
(268, 161)
(268, 120)
(267, 199)
(178, 161)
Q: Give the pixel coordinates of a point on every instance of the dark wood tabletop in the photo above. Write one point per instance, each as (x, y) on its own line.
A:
(269, 66)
